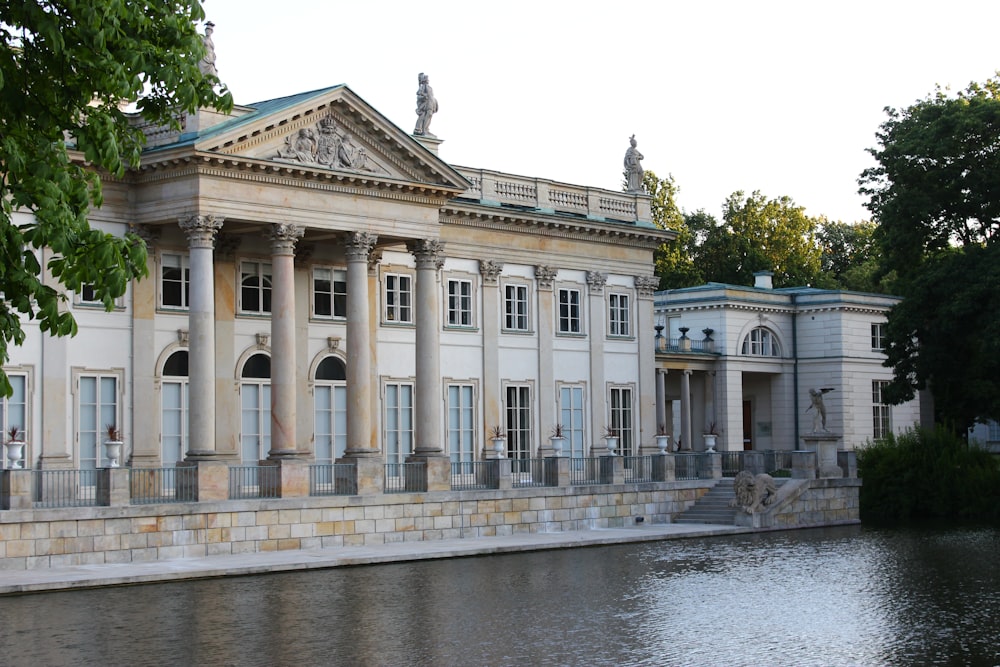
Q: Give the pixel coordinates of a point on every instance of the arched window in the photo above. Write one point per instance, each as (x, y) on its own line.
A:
(761, 342)
(255, 408)
(330, 410)
(174, 408)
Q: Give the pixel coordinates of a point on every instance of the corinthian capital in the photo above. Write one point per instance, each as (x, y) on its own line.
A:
(283, 237)
(596, 280)
(357, 245)
(428, 253)
(201, 229)
(646, 285)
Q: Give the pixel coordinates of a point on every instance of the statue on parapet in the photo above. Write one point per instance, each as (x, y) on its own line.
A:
(816, 400)
(207, 62)
(633, 167)
(427, 106)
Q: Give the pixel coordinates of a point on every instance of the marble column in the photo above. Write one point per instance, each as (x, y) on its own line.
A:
(492, 401)
(201, 231)
(686, 410)
(544, 278)
(650, 399)
(427, 388)
(360, 436)
(600, 417)
(283, 237)
(661, 401)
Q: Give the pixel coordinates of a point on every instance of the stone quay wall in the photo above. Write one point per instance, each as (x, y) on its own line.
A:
(47, 538)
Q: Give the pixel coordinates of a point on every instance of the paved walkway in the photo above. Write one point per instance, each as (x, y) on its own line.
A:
(117, 574)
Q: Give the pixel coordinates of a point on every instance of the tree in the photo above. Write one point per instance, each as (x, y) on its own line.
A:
(760, 234)
(935, 195)
(67, 71)
(674, 264)
(850, 257)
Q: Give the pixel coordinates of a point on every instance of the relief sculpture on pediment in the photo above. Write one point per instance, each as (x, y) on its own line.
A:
(327, 145)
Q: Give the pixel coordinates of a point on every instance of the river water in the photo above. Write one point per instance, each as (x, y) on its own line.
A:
(837, 596)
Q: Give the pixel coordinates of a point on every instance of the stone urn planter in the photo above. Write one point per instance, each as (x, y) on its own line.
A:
(663, 443)
(15, 448)
(711, 439)
(611, 440)
(113, 446)
(499, 440)
(557, 440)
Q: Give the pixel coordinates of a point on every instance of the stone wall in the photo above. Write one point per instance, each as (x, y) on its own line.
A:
(33, 538)
(804, 503)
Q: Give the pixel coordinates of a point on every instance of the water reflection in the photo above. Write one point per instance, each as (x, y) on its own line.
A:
(843, 596)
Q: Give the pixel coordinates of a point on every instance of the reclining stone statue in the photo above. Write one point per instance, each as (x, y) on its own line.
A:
(753, 492)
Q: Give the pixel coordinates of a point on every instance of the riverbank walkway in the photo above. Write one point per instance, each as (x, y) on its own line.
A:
(14, 582)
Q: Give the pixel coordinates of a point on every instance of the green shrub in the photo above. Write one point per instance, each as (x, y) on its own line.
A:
(927, 474)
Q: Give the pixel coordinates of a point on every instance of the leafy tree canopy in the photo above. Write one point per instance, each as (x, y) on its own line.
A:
(937, 182)
(674, 261)
(761, 234)
(850, 257)
(68, 68)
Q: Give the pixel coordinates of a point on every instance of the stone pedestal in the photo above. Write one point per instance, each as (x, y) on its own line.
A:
(825, 445)
(15, 490)
(663, 468)
(210, 481)
(612, 469)
(556, 471)
(113, 487)
(369, 474)
(293, 477)
(803, 464)
(438, 470)
(713, 470)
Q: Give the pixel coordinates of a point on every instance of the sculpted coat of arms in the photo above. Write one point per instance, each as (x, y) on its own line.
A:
(327, 145)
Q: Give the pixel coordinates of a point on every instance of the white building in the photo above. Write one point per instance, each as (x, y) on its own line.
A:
(323, 285)
(744, 359)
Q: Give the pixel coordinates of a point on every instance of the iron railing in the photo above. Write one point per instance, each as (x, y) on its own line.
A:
(254, 482)
(471, 475)
(638, 469)
(688, 466)
(527, 472)
(333, 479)
(404, 477)
(65, 488)
(732, 463)
(585, 471)
(163, 485)
(778, 461)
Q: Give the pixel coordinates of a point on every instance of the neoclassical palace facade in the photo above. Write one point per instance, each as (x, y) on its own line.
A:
(322, 286)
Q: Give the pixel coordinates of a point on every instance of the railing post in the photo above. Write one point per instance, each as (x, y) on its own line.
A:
(612, 470)
(113, 487)
(210, 481)
(369, 474)
(664, 469)
(502, 473)
(292, 477)
(713, 466)
(847, 459)
(15, 489)
(753, 462)
(803, 464)
(556, 471)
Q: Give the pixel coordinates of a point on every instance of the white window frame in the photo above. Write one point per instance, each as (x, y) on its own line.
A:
(621, 416)
(518, 417)
(569, 315)
(107, 413)
(460, 303)
(619, 315)
(878, 336)
(183, 264)
(397, 419)
(329, 398)
(181, 382)
(337, 277)
(573, 418)
(265, 273)
(261, 412)
(461, 433)
(881, 411)
(516, 307)
(397, 297)
(86, 298)
(20, 380)
(760, 342)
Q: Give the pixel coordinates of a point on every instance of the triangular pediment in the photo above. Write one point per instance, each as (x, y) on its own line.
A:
(329, 130)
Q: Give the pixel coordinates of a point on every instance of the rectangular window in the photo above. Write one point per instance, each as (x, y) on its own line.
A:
(460, 303)
(880, 410)
(461, 428)
(518, 421)
(878, 337)
(398, 419)
(571, 417)
(329, 293)
(14, 412)
(618, 315)
(621, 418)
(398, 298)
(174, 429)
(96, 408)
(515, 307)
(330, 419)
(569, 311)
(993, 431)
(255, 425)
(175, 276)
(255, 287)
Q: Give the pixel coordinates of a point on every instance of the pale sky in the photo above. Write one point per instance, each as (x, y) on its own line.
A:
(781, 97)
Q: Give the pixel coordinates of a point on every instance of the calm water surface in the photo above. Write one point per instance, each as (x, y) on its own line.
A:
(840, 596)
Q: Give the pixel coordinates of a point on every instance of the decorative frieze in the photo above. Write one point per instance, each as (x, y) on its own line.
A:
(327, 145)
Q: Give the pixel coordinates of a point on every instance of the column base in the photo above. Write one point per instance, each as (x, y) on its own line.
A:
(210, 481)
(369, 473)
(293, 477)
(438, 469)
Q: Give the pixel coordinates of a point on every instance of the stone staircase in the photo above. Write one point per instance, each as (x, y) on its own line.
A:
(713, 507)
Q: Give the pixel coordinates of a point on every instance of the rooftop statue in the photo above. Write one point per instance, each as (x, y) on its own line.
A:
(427, 106)
(633, 168)
(207, 64)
